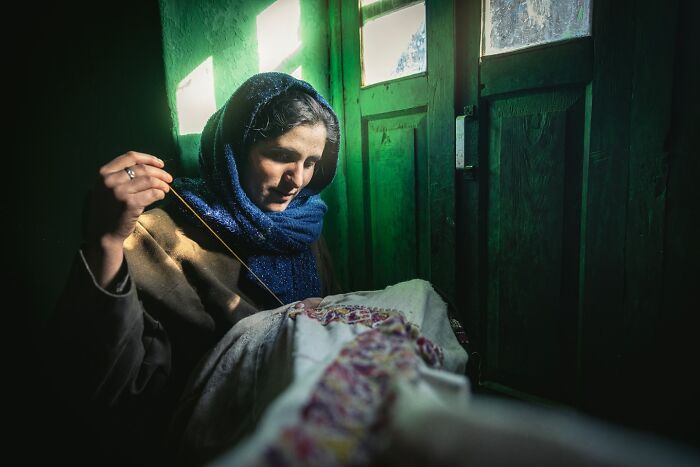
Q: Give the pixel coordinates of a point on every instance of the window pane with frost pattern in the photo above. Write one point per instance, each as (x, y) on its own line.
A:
(515, 24)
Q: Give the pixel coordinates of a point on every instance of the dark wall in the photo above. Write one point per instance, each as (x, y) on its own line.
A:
(90, 86)
(86, 84)
(641, 367)
(673, 370)
(642, 257)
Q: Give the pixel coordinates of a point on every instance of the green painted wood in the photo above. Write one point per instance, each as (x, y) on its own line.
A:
(522, 219)
(469, 225)
(568, 62)
(393, 96)
(646, 199)
(603, 280)
(381, 104)
(397, 204)
(626, 340)
(534, 195)
(382, 7)
(358, 255)
(645, 311)
(441, 144)
(336, 222)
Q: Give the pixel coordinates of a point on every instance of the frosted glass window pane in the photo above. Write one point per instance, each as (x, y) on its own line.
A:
(393, 45)
(516, 24)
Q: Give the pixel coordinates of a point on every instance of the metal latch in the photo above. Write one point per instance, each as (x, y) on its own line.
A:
(460, 127)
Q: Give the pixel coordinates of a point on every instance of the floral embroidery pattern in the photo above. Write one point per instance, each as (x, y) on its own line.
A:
(343, 420)
(348, 314)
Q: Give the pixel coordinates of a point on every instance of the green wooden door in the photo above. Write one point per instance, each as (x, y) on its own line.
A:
(399, 147)
(564, 231)
(526, 131)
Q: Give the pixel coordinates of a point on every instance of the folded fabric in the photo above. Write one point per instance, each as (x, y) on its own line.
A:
(313, 386)
(376, 378)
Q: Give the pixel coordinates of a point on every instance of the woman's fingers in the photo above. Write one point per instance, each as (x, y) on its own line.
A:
(139, 184)
(147, 197)
(123, 196)
(139, 193)
(140, 172)
(130, 159)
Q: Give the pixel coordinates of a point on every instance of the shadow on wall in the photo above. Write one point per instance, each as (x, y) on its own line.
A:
(87, 84)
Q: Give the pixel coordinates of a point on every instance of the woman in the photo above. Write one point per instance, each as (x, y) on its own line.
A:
(152, 292)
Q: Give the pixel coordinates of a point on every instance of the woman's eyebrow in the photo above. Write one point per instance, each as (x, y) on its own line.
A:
(284, 150)
(291, 151)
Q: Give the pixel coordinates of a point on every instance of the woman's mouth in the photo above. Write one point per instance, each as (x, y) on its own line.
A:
(285, 196)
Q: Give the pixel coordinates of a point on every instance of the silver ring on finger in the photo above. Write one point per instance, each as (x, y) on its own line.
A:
(130, 172)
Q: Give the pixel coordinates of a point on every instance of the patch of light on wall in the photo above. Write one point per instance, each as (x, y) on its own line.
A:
(195, 98)
(297, 73)
(278, 33)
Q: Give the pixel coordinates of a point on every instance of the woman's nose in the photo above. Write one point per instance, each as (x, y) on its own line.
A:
(295, 174)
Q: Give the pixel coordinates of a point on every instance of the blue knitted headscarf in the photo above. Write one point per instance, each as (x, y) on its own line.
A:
(276, 244)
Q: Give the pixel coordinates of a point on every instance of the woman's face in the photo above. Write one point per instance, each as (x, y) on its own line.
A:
(279, 168)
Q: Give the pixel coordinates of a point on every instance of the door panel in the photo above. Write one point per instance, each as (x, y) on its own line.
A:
(520, 213)
(560, 234)
(535, 149)
(396, 145)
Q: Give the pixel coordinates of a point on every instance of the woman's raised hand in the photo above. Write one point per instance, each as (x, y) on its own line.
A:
(126, 186)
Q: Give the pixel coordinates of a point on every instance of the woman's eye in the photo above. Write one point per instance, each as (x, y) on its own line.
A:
(309, 164)
(281, 157)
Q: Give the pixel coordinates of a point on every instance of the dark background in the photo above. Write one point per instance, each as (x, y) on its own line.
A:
(86, 84)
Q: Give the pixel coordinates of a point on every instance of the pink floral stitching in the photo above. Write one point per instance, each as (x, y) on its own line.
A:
(343, 420)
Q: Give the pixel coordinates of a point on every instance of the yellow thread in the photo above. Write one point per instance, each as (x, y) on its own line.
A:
(224, 244)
